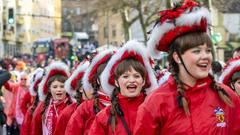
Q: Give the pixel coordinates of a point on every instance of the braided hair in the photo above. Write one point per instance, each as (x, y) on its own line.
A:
(96, 86)
(122, 67)
(180, 45)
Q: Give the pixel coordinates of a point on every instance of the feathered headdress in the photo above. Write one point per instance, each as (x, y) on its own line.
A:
(55, 68)
(35, 80)
(232, 66)
(132, 49)
(182, 19)
(98, 59)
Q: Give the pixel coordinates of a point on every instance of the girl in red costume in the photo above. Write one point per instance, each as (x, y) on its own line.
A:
(127, 77)
(34, 81)
(73, 86)
(231, 75)
(190, 102)
(54, 97)
(83, 117)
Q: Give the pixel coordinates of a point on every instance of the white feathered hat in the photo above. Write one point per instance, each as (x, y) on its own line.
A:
(98, 59)
(71, 83)
(132, 49)
(55, 68)
(35, 79)
(232, 66)
(182, 19)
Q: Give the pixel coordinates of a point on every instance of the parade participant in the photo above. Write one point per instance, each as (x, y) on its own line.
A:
(54, 97)
(231, 74)
(73, 86)
(15, 115)
(127, 77)
(86, 112)
(35, 79)
(190, 102)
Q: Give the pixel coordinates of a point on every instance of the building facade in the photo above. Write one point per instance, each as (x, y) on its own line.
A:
(25, 21)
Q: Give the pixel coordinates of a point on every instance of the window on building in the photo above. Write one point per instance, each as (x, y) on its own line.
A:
(65, 11)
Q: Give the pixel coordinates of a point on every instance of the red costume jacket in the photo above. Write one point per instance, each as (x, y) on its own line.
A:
(64, 118)
(26, 126)
(129, 107)
(81, 120)
(37, 122)
(160, 114)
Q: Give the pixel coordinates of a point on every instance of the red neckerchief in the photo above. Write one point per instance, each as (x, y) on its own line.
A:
(52, 114)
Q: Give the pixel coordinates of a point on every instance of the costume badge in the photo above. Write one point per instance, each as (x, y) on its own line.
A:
(220, 117)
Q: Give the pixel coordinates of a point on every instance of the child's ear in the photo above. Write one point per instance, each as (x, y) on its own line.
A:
(116, 83)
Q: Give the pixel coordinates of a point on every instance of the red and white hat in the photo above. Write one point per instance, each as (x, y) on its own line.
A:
(132, 49)
(71, 83)
(55, 68)
(35, 79)
(186, 18)
(98, 59)
(232, 66)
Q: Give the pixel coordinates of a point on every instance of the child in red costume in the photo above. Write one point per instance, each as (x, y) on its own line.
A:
(191, 101)
(83, 117)
(54, 98)
(128, 77)
(73, 86)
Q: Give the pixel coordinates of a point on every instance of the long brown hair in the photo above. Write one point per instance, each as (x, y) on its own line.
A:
(181, 45)
(122, 67)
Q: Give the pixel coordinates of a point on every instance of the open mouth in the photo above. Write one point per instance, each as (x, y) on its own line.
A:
(204, 66)
(59, 94)
(131, 87)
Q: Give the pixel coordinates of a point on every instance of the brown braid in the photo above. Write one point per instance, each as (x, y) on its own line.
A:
(181, 99)
(78, 97)
(221, 92)
(35, 103)
(96, 107)
(46, 103)
(115, 109)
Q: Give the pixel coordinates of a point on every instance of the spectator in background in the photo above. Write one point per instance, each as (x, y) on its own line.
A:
(236, 52)
(15, 114)
(4, 76)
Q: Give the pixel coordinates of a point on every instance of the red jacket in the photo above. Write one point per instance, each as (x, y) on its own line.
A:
(26, 126)
(37, 118)
(81, 120)
(64, 118)
(36, 122)
(160, 114)
(26, 102)
(129, 107)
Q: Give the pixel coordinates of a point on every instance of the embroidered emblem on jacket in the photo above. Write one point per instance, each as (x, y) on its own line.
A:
(220, 117)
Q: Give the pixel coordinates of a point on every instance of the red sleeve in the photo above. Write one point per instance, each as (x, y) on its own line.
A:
(25, 103)
(25, 130)
(98, 126)
(146, 123)
(73, 128)
(36, 124)
(63, 119)
(10, 86)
